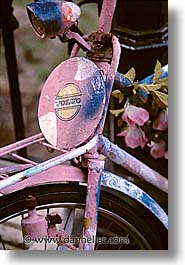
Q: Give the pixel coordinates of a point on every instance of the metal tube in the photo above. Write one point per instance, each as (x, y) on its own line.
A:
(26, 160)
(95, 168)
(106, 16)
(13, 169)
(110, 78)
(149, 79)
(44, 166)
(21, 144)
(122, 158)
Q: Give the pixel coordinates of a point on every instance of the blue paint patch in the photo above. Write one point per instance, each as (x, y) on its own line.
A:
(98, 196)
(109, 84)
(117, 183)
(96, 90)
(34, 170)
(46, 15)
(149, 79)
(121, 79)
(150, 203)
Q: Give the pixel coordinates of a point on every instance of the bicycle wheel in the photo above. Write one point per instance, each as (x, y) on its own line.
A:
(119, 214)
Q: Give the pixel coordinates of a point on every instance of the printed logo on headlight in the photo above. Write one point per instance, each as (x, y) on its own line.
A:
(68, 102)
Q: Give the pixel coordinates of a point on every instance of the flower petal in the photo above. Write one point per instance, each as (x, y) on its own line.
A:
(158, 150)
(138, 115)
(161, 122)
(134, 137)
(135, 115)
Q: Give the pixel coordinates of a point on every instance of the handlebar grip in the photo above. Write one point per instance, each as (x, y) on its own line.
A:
(149, 79)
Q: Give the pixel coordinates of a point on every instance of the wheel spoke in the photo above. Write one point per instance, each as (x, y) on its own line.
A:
(118, 216)
(68, 216)
(2, 243)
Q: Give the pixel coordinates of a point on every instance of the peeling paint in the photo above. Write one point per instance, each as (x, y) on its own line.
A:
(48, 98)
(48, 127)
(85, 69)
(132, 164)
(118, 183)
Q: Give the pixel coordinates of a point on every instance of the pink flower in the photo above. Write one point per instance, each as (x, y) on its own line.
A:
(158, 150)
(135, 115)
(161, 122)
(134, 137)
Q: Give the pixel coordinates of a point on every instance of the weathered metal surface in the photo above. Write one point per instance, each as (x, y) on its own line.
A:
(44, 166)
(71, 103)
(21, 144)
(61, 238)
(34, 225)
(13, 169)
(77, 47)
(78, 39)
(64, 173)
(110, 76)
(92, 202)
(132, 164)
(26, 160)
(117, 183)
(58, 174)
(102, 47)
(106, 15)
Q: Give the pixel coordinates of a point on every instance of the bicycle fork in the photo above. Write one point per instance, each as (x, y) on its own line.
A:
(95, 167)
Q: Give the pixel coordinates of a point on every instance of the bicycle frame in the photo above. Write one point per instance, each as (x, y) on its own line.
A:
(32, 173)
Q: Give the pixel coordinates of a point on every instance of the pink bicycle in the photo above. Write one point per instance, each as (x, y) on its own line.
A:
(70, 202)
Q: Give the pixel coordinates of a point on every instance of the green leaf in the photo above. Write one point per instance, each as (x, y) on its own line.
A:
(157, 67)
(119, 122)
(150, 88)
(160, 98)
(157, 72)
(118, 94)
(131, 74)
(136, 85)
(117, 112)
(121, 97)
(163, 81)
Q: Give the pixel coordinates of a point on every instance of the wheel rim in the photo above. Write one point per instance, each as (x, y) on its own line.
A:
(109, 226)
(126, 215)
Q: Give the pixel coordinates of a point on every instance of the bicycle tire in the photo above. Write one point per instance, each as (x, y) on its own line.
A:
(143, 225)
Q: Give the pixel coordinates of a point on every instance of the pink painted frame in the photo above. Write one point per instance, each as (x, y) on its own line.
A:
(62, 173)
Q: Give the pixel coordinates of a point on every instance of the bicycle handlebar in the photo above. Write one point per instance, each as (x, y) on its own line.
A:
(122, 83)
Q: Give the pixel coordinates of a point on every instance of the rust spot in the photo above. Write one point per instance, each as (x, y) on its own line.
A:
(87, 222)
(112, 155)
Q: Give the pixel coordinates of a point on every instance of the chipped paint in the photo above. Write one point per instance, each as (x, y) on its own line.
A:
(98, 83)
(132, 164)
(48, 127)
(85, 69)
(49, 163)
(48, 98)
(117, 183)
(77, 107)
